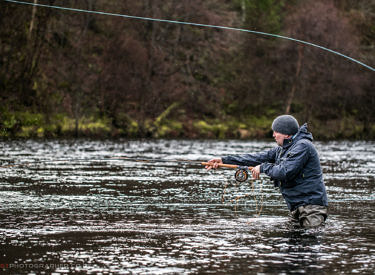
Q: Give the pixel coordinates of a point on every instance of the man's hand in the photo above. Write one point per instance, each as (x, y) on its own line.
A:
(255, 172)
(215, 164)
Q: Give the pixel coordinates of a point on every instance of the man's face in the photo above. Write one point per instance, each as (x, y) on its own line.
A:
(279, 138)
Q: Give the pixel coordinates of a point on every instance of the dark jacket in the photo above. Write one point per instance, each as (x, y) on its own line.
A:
(294, 167)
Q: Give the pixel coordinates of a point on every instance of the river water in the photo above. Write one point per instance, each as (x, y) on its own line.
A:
(92, 214)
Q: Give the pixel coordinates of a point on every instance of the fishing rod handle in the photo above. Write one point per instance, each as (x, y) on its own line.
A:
(223, 165)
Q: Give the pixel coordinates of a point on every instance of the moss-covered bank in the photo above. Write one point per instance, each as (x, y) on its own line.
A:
(33, 125)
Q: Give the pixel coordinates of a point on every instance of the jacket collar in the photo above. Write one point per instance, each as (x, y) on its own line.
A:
(302, 133)
(288, 142)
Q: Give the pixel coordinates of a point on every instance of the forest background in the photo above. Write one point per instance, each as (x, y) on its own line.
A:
(69, 74)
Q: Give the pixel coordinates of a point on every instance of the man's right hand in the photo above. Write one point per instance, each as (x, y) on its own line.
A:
(215, 164)
(255, 171)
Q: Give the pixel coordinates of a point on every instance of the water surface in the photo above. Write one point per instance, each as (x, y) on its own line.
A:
(93, 214)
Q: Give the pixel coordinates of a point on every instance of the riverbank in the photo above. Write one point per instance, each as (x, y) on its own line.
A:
(32, 125)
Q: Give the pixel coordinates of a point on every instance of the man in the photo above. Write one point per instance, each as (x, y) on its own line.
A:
(295, 168)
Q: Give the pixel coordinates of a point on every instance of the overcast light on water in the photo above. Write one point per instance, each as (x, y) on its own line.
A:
(92, 213)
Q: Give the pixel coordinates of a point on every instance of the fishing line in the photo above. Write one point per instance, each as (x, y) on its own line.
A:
(258, 211)
(197, 25)
(257, 195)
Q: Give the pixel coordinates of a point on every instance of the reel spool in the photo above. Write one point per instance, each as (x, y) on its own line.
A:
(241, 174)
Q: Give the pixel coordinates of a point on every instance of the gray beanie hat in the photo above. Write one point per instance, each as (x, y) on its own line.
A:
(285, 124)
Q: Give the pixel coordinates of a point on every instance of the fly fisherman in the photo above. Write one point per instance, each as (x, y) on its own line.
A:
(294, 167)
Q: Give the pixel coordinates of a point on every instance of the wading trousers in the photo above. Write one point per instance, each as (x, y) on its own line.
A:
(309, 215)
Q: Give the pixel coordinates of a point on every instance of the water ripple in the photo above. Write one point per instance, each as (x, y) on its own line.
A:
(93, 215)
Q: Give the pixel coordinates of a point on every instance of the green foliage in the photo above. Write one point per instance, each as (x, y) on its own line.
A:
(31, 125)
(168, 129)
(164, 114)
(348, 127)
(215, 130)
(263, 15)
(9, 121)
(163, 127)
(19, 123)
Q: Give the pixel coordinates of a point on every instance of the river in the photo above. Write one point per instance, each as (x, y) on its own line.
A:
(74, 206)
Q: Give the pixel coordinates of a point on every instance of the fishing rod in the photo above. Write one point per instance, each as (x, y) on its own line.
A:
(241, 174)
(41, 162)
(97, 159)
(83, 159)
(57, 160)
(136, 159)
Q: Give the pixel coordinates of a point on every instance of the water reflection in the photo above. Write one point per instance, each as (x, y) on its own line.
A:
(92, 215)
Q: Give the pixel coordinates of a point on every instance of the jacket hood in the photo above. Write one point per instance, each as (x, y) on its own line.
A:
(302, 133)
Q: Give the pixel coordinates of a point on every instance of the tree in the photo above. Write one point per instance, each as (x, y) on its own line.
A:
(320, 78)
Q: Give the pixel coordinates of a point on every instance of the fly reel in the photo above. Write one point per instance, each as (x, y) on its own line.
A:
(241, 174)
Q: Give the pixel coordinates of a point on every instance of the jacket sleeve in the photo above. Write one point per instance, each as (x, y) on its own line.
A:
(251, 159)
(290, 165)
